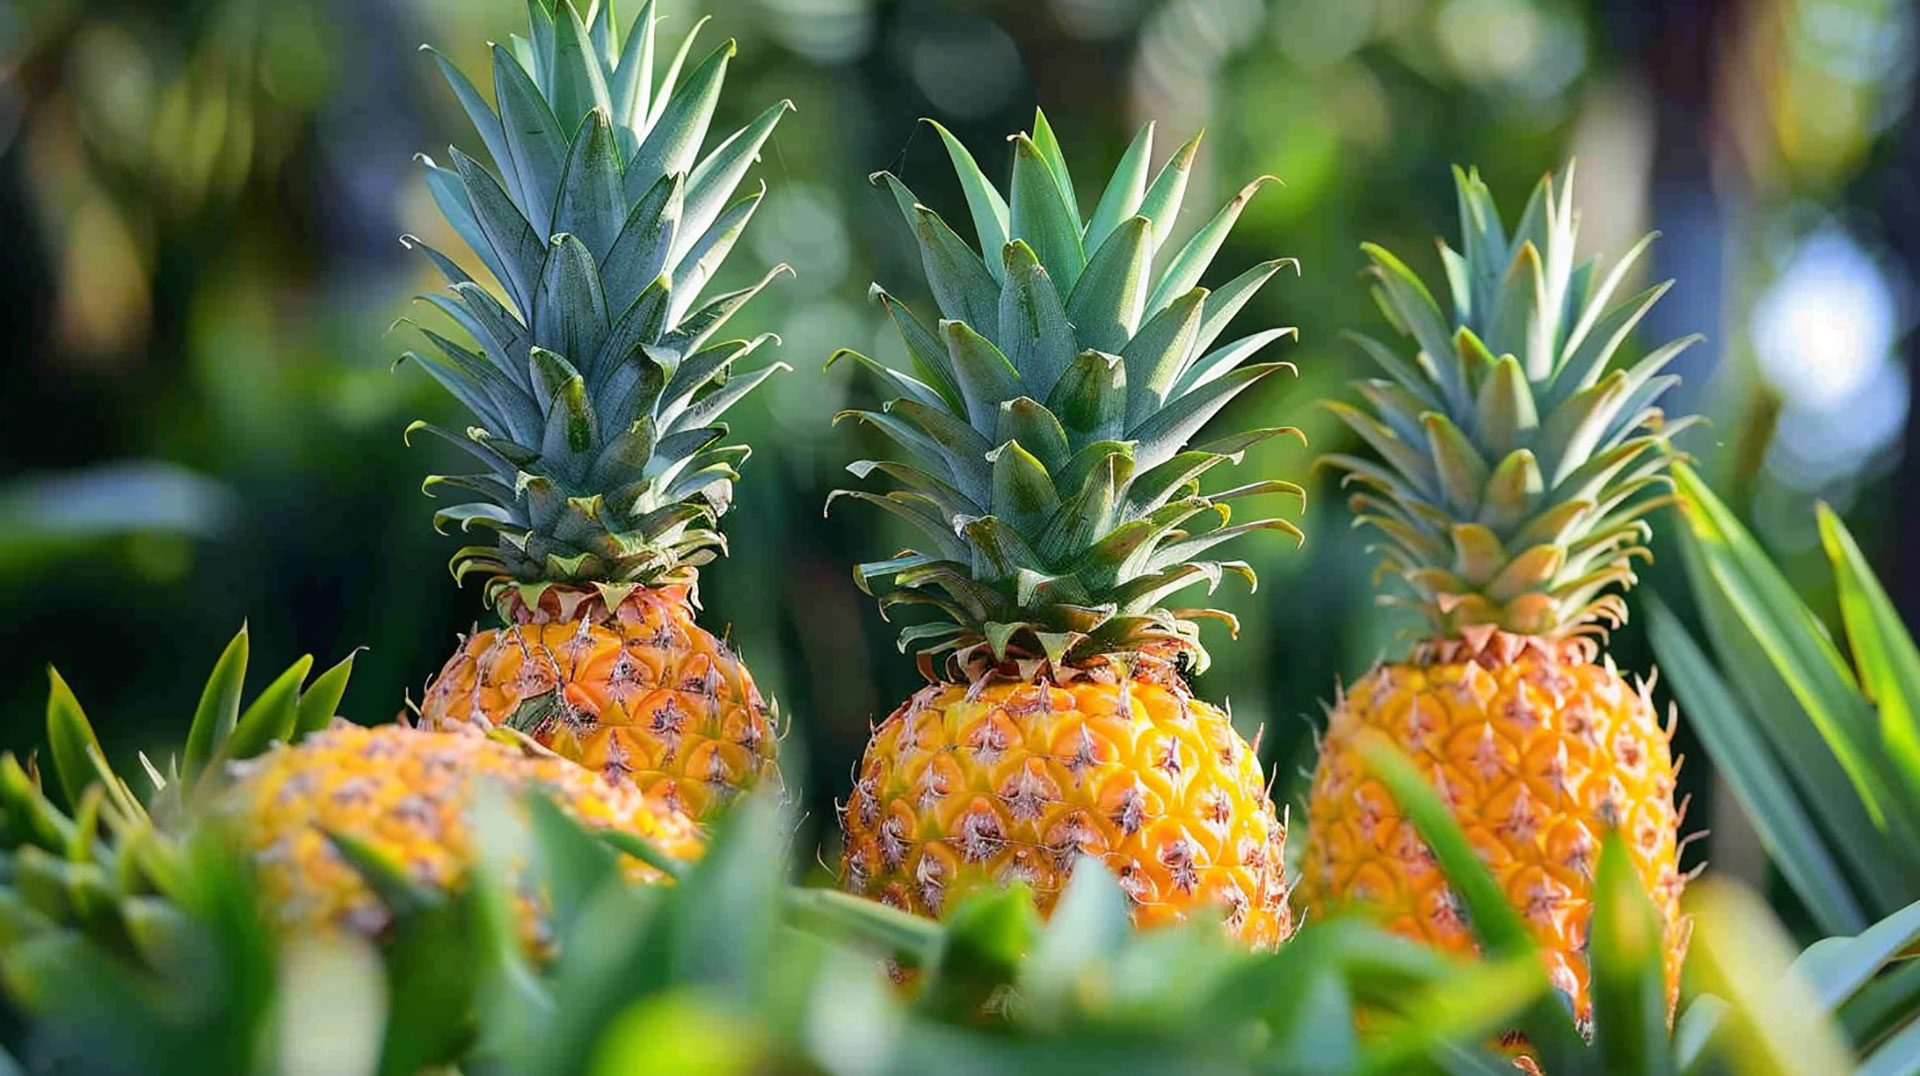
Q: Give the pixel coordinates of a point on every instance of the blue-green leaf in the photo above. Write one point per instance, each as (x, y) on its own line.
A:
(1161, 203)
(1105, 306)
(535, 142)
(1124, 190)
(984, 202)
(1040, 214)
(1187, 267)
(592, 202)
(673, 142)
(1034, 331)
(984, 375)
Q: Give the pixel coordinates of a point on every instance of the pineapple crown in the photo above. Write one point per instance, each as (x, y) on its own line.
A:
(1513, 463)
(597, 393)
(82, 855)
(1047, 419)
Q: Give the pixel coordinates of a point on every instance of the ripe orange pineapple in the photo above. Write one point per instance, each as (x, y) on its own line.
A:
(1047, 425)
(597, 399)
(405, 794)
(1513, 497)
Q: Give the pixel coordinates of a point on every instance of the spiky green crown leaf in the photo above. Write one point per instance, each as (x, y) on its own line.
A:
(596, 393)
(1047, 418)
(82, 854)
(1515, 467)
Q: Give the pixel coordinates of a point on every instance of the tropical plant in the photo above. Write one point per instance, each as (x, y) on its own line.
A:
(597, 397)
(1759, 1010)
(87, 855)
(1515, 473)
(732, 970)
(1823, 755)
(1058, 503)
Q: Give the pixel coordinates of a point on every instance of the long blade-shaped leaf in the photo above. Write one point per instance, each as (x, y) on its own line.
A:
(320, 702)
(1125, 188)
(1495, 923)
(1187, 267)
(271, 716)
(1888, 661)
(535, 140)
(674, 140)
(1039, 213)
(70, 738)
(1105, 305)
(1820, 724)
(219, 707)
(1837, 967)
(1774, 1024)
(592, 205)
(1161, 203)
(1753, 773)
(1626, 948)
(984, 202)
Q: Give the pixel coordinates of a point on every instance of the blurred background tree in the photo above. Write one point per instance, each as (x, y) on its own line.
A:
(199, 203)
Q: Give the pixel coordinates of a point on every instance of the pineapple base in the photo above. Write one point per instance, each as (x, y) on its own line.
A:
(639, 692)
(1011, 778)
(406, 793)
(1536, 750)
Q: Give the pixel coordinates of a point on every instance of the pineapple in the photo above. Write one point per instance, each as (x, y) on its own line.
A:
(1046, 426)
(597, 392)
(1516, 478)
(403, 795)
(318, 819)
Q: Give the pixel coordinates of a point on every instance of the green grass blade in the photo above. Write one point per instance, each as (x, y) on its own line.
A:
(1889, 664)
(219, 708)
(1751, 770)
(70, 739)
(321, 700)
(1836, 968)
(1774, 1024)
(1547, 1025)
(271, 716)
(1626, 946)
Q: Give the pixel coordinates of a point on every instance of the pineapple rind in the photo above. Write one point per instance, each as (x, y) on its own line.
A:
(639, 693)
(1534, 756)
(1514, 473)
(406, 793)
(597, 388)
(965, 788)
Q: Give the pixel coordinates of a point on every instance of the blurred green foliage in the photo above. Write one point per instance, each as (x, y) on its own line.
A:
(200, 200)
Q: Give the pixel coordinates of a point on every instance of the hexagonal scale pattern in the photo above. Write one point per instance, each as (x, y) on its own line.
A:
(1010, 780)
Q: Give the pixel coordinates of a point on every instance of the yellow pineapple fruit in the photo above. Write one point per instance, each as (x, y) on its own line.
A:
(1047, 422)
(639, 693)
(1516, 478)
(596, 394)
(405, 794)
